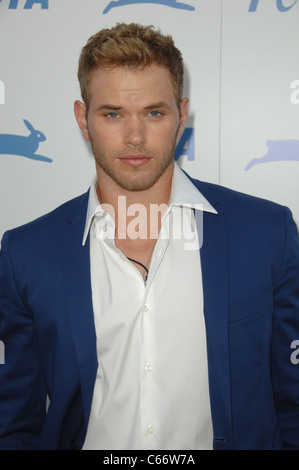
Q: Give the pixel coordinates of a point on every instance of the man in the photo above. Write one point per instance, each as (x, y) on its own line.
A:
(169, 329)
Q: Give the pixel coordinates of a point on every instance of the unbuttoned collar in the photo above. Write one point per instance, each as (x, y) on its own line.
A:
(183, 193)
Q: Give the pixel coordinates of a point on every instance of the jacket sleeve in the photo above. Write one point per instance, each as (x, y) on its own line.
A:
(22, 390)
(285, 369)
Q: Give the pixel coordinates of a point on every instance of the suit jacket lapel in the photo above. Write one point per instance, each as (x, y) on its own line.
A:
(76, 269)
(214, 262)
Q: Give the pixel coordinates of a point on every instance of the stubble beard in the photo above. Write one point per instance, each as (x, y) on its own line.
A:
(135, 181)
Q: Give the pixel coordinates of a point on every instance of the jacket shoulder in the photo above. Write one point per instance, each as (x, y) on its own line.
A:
(230, 200)
(49, 224)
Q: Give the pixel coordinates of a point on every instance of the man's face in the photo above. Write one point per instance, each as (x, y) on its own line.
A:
(132, 123)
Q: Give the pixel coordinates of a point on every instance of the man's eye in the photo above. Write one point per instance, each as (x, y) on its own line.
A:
(155, 113)
(112, 115)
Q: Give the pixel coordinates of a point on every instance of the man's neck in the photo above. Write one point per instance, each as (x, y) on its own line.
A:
(124, 206)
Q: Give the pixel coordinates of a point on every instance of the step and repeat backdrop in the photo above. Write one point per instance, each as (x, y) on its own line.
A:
(242, 78)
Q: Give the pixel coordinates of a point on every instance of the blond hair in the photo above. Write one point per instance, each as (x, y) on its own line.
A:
(130, 45)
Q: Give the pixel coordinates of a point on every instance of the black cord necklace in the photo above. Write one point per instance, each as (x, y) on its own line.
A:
(144, 267)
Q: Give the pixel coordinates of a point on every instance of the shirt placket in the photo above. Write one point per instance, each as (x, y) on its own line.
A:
(149, 363)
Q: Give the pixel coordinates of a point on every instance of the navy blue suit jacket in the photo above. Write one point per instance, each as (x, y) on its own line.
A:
(250, 271)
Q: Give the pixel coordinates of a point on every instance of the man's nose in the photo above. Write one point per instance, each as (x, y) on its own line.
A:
(135, 131)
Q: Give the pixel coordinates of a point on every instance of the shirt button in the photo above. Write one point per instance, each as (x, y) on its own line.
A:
(150, 429)
(146, 308)
(148, 367)
(101, 215)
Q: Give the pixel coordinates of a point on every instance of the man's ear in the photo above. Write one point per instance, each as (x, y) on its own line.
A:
(80, 114)
(184, 115)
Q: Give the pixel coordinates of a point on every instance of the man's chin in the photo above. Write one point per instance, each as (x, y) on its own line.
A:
(136, 185)
(137, 179)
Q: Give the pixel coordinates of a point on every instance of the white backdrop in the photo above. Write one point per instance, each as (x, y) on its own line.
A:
(242, 77)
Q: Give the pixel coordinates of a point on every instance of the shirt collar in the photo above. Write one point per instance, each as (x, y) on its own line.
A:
(183, 193)
(94, 208)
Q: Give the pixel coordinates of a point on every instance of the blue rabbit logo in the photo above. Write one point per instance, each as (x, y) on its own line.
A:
(169, 3)
(278, 150)
(24, 146)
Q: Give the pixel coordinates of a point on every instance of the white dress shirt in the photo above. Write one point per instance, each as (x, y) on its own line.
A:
(151, 390)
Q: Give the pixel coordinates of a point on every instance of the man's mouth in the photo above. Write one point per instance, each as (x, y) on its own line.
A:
(133, 159)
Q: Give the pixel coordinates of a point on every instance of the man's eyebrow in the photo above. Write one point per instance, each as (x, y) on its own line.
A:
(160, 104)
(110, 107)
